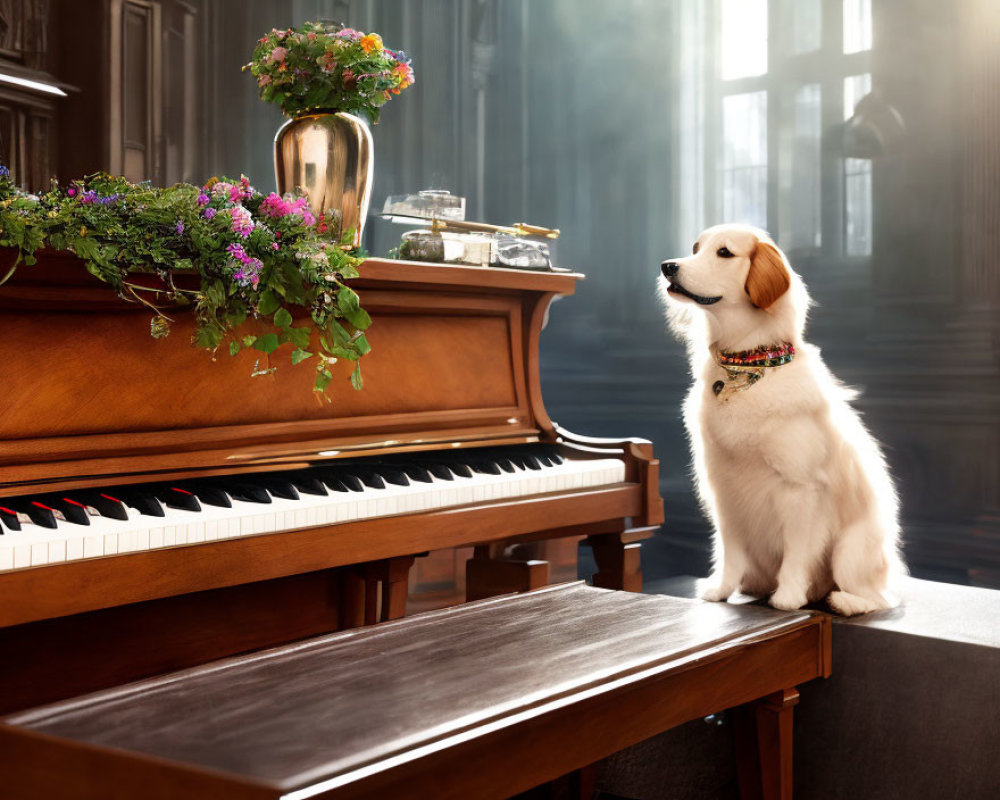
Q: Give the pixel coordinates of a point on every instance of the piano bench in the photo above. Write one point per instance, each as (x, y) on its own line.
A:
(482, 701)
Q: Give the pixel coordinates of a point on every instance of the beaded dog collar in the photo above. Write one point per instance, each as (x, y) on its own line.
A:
(745, 368)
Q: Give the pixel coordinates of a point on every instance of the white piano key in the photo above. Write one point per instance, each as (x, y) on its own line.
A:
(37, 546)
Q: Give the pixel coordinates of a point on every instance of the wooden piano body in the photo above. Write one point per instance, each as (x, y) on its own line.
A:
(88, 399)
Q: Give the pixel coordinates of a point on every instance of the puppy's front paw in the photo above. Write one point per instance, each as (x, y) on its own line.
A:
(709, 589)
(787, 599)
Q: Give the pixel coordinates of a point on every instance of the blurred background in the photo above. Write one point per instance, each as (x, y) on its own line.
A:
(864, 134)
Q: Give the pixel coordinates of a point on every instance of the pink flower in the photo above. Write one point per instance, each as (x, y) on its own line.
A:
(277, 54)
(264, 80)
(242, 221)
(274, 206)
(311, 36)
(210, 212)
(203, 199)
(327, 62)
(274, 245)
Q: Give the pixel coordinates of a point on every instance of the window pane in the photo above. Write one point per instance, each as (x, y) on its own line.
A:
(807, 25)
(743, 176)
(744, 38)
(857, 25)
(799, 170)
(858, 206)
(855, 87)
(857, 179)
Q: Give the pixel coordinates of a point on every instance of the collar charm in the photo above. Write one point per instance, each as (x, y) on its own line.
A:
(745, 368)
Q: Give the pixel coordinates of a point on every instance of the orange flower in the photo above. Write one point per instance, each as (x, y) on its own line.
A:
(371, 43)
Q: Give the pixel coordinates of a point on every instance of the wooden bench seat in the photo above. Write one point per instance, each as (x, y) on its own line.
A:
(478, 701)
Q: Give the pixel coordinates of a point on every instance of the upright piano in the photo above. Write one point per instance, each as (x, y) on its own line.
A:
(161, 508)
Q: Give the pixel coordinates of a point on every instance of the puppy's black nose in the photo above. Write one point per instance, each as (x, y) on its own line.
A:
(669, 268)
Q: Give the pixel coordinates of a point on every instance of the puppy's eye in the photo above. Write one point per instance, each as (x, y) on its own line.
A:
(723, 252)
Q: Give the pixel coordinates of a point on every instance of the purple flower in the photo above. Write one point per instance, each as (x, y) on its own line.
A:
(203, 199)
(4, 172)
(179, 227)
(249, 273)
(237, 252)
(210, 212)
(88, 197)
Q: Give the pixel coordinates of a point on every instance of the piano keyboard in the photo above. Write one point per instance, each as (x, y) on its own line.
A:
(70, 526)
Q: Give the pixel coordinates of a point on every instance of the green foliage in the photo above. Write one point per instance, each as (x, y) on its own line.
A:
(224, 250)
(314, 68)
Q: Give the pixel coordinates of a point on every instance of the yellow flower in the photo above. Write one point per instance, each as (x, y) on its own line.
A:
(83, 230)
(371, 42)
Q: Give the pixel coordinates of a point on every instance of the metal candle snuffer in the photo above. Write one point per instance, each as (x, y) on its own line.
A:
(451, 239)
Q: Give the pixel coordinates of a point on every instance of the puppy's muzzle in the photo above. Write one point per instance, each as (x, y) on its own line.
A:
(669, 269)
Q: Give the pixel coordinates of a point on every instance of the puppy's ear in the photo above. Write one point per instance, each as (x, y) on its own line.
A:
(768, 277)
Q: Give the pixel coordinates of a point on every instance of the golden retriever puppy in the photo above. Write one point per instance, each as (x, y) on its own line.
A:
(798, 491)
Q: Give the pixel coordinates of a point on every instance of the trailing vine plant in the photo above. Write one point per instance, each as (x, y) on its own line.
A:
(257, 257)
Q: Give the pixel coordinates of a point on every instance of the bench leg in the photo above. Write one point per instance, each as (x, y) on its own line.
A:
(618, 562)
(763, 733)
(488, 573)
(352, 597)
(395, 580)
(364, 585)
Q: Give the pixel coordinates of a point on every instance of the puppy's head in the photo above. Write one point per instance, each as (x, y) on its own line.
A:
(731, 265)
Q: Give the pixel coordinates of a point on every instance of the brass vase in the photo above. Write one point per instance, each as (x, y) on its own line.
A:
(329, 157)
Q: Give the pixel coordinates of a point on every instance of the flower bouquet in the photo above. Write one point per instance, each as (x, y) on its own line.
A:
(314, 68)
(225, 250)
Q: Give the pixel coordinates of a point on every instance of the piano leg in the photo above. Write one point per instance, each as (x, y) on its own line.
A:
(617, 557)
(488, 573)
(763, 732)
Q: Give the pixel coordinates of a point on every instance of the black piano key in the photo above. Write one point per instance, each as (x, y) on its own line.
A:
(239, 489)
(411, 469)
(307, 484)
(516, 458)
(39, 513)
(277, 485)
(550, 452)
(376, 478)
(174, 497)
(530, 462)
(460, 469)
(142, 500)
(210, 495)
(351, 481)
(503, 462)
(484, 466)
(8, 519)
(543, 458)
(72, 510)
(333, 483)
(107, 505)
(439, 470)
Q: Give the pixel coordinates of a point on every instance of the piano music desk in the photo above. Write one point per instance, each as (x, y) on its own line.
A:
(481, 701)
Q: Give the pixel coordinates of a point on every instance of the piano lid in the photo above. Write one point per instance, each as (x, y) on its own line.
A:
(89, 397)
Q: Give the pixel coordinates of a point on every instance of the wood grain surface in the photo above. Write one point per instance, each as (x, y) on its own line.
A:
(346, 707)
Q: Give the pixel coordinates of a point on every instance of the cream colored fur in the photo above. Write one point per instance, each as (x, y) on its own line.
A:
(801, 500)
